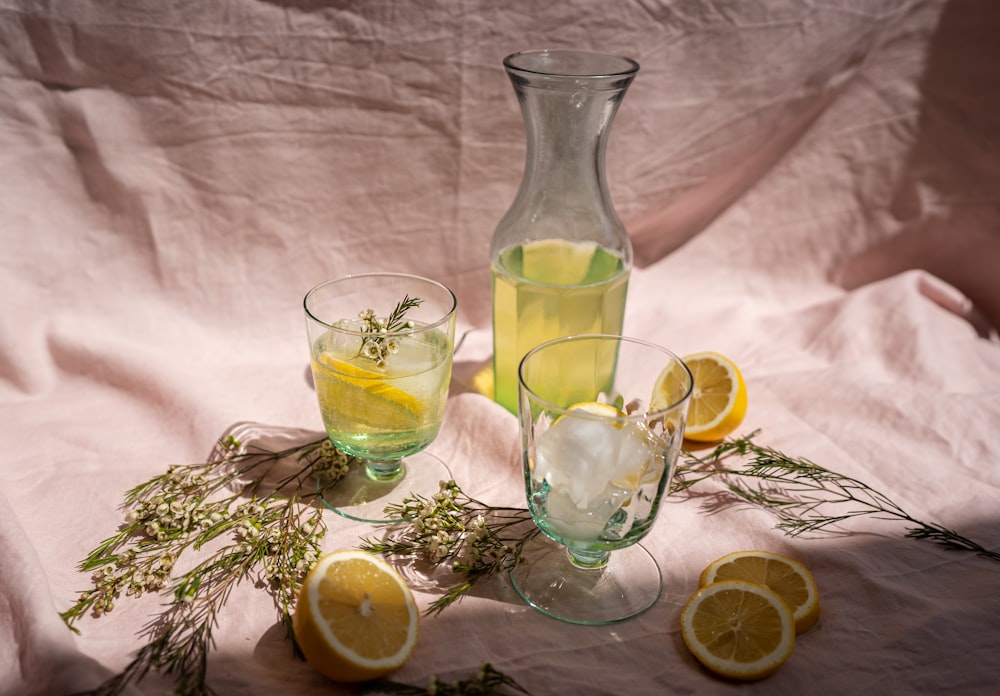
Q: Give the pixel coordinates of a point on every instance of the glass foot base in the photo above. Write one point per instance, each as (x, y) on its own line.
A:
(629, 584)
(359, 497)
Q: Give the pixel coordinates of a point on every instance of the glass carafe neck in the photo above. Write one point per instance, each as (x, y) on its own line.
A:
(568, 100)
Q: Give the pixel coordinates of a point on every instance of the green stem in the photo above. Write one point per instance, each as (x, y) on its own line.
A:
(802, 494)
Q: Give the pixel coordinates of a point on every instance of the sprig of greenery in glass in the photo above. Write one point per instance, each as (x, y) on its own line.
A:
(273, 537)
(475, 539)
(378, 345)
(804, 496)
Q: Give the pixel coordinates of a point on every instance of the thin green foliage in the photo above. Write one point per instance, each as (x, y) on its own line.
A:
(269, 537)
(474, 539)
(804, 496)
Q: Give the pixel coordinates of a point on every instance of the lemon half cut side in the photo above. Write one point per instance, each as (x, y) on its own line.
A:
(719, 399)
(355, 618)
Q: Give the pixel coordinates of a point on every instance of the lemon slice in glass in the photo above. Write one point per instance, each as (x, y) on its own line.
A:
(598, 409)
(558, 261)
(366, 395)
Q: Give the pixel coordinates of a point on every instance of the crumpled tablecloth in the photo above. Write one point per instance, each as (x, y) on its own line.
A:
(811, 189)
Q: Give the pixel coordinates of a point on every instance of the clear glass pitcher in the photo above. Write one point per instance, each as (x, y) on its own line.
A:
(560, 257)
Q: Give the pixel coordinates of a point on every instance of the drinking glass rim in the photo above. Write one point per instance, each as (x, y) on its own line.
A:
(627, 418)
(630, 66)
(384, 274)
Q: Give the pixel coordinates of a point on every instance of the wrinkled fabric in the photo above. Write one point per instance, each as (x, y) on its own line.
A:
(810, 188)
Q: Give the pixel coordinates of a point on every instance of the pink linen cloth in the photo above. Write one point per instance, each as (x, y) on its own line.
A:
(811, 189)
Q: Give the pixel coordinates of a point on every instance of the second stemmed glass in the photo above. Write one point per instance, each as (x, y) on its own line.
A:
(602, 422)
(381, 346)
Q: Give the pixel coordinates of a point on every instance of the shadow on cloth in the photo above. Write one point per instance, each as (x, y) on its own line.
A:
(928, 590)
(953, 232)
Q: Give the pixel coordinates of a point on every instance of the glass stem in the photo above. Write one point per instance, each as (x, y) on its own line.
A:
(588, 560)
(384, 471)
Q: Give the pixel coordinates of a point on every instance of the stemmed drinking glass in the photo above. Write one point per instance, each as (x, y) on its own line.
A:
(381, 346)
(602, 423)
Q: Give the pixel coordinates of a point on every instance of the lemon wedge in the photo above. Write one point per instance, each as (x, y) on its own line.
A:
(790, 579)
(355, 618)
(738, 629)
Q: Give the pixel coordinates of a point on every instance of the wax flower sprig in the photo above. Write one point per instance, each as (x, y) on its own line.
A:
(377, 345)
(272, 538)
(266, 529)
(486, 680)
(265, 516)
(477, 540)
(474, 539)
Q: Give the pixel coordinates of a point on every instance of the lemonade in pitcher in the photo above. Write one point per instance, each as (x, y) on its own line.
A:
(551, 288)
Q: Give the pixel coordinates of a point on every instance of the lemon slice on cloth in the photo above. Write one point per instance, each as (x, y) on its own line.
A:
(790, 579)
(355, 618)
(366, 395)
(738, 629)
(718, 401)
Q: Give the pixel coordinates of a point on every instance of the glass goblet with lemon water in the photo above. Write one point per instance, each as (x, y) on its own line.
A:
(602, 423)
(381, 349)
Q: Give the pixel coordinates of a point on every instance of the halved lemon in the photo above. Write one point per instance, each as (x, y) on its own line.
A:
(364, 394)
(790, 579)
(738, 629)
(355, 618)
(718, 401)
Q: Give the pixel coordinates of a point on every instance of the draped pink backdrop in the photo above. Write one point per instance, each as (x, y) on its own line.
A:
(811, 189)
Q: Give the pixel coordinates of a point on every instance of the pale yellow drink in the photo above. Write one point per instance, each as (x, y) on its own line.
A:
(547, 289)
(382, 413)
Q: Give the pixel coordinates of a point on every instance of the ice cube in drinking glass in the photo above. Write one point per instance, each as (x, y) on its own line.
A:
(577, 456)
